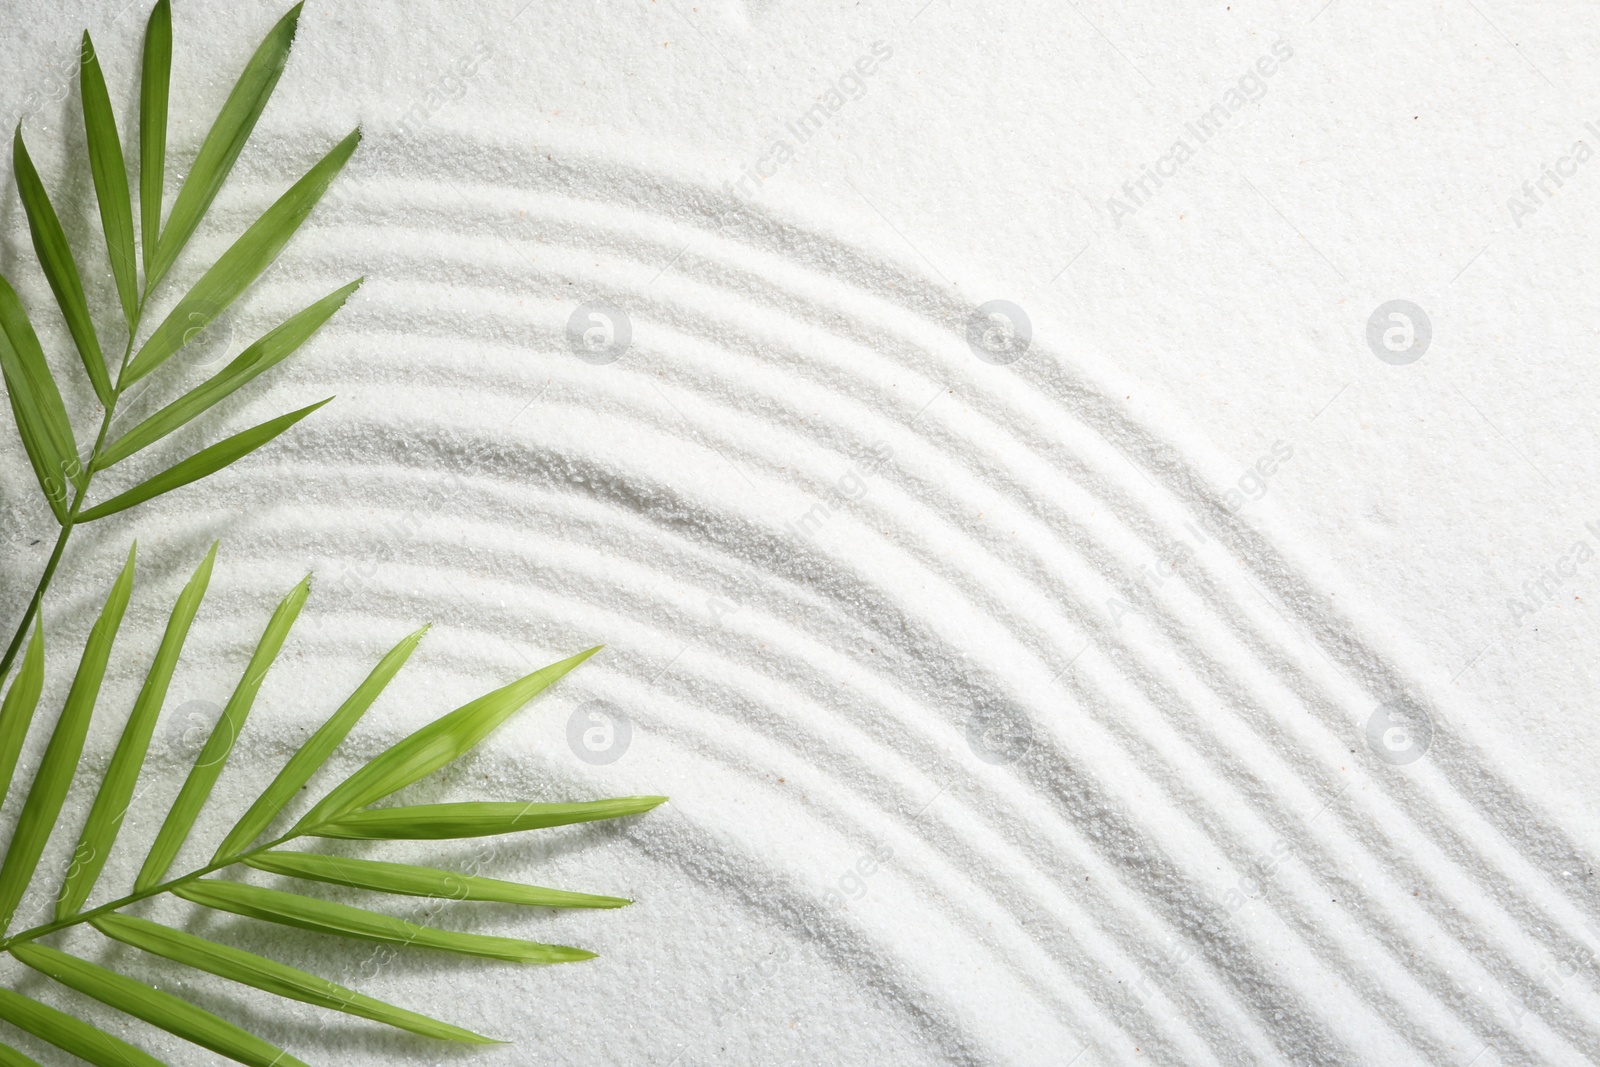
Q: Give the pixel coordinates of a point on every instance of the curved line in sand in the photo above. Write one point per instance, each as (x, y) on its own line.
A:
(1147, 519)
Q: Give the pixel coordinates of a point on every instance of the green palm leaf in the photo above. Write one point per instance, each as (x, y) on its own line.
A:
(110, 182)
(70, 1035)
(223, 144)
(428, 749)
(10, 1057)
(16, 712)
(48, 439)
(60, 270)
(254, 361)
(208, 766)
(116, 789)
(206, 461)
(432, 822)
(36, 403)
(177, 1017)
(406, 880)
(42, 420)
(241, 264)
(154, 84)
(440, 742)
(326, 917)
(315, 752)
(269, 976)
(60, 761)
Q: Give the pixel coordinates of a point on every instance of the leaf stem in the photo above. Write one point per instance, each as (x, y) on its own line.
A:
(67, 527)
(78, 918)
(77, 505)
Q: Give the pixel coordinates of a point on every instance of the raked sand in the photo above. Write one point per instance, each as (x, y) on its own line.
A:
(1198, 687)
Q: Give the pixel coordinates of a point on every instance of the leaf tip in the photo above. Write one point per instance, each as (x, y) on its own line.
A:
(640, 805)
(202, 574)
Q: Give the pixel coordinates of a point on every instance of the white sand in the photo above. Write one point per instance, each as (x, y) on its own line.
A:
(936, 795)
